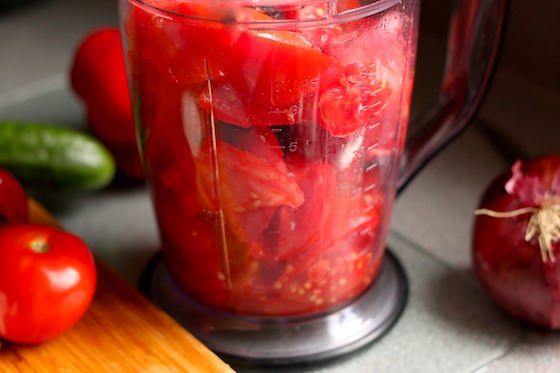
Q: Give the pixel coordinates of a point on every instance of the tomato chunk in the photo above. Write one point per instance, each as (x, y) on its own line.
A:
(188, 52)
(276, 68)
(296, 228)
(245, 187)
(354, 101)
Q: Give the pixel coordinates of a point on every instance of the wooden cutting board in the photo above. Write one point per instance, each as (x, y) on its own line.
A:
(121, 332)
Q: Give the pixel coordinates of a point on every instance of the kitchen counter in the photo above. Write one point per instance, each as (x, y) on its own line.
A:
(449, 324)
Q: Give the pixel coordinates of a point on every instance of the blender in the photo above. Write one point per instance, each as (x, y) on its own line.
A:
(274, 136)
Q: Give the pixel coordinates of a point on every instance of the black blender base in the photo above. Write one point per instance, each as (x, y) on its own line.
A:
(285, 340)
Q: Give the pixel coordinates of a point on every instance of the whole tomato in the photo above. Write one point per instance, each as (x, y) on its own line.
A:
(98, 76)
(47, 282)
(516, 242)
(13, 201)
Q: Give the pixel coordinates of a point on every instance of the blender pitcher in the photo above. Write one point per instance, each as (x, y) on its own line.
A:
(273, 136)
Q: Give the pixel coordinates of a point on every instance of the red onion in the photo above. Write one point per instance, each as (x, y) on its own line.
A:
(516, 241)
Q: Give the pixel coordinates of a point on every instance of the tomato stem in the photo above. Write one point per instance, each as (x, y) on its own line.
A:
(39, 246)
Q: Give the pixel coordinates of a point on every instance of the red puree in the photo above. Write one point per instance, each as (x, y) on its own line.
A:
(271, 153)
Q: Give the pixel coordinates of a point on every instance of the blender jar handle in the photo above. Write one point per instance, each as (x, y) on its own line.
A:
(474, 39)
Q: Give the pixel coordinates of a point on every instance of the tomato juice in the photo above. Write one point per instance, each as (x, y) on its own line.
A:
(271, 138)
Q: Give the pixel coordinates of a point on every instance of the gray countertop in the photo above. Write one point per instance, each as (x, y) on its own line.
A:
(449, 325)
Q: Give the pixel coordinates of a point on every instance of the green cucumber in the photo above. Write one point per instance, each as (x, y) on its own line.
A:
(48, 156)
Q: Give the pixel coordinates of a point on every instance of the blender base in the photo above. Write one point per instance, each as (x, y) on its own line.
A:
(285, 340)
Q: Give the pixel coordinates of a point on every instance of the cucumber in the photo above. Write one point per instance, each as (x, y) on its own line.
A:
(47, 156)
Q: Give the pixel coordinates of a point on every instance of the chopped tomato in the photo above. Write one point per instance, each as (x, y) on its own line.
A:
(202, 264)
(347, 99)
(188, 51)
(320, 36)
(225, 102)
(341, 264)
(296, 228)
(354, 101)
(189, 243)
(328, 281)
(241, 185)
(232, 178)
(276, 67)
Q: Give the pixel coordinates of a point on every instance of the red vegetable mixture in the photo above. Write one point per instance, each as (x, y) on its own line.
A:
(271, 152)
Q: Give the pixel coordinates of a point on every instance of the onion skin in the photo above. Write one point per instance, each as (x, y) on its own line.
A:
(510, 269)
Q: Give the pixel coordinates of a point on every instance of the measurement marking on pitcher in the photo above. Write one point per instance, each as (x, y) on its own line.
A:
(370, 187)
(373, 146)
(366, 231)
(372, 166)
(367, 209)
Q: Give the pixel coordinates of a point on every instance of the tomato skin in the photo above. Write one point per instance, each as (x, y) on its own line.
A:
(98, 76)
(13, 200)
(181, 50)
(42, 294)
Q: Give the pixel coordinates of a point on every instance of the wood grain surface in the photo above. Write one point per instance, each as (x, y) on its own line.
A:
(121, 332)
